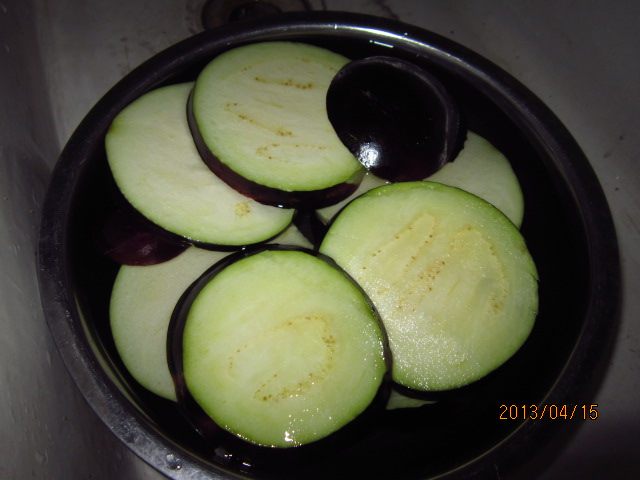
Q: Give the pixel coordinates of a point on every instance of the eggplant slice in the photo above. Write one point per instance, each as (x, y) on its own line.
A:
(156, 166)
(450, 275)
(279, 347)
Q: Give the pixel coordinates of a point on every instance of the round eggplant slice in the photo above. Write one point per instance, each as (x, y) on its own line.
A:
(398, 400)
(482, 170)
(292, 236)
(142, 301)
(479, 168)
(158, 169)
(279, 347)
(369, 182)
(397, 119)
(259, 120)
(450, 275)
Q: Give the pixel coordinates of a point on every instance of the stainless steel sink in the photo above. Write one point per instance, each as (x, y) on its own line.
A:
(58, 57)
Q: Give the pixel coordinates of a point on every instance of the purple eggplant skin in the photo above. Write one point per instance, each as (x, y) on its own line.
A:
(309, 224)
(261, 193)
(397, 119)
(128, 238)
(214, 435)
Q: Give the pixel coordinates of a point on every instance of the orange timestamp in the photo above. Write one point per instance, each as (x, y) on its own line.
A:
(549, 411)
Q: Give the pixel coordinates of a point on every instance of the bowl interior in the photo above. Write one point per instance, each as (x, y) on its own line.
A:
(408, 443)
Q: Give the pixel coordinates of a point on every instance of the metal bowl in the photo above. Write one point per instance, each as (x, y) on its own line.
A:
(567, 225)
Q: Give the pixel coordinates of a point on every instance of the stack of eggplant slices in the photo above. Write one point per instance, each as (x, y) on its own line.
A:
(279, 282)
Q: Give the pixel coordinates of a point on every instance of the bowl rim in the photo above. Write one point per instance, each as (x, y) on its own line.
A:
(593, 347)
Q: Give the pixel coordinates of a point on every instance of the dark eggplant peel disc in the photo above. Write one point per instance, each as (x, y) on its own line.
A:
(397, 119)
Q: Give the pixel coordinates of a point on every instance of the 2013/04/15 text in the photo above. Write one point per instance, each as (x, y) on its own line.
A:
(549, 411)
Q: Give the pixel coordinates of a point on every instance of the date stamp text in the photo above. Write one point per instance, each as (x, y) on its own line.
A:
(549, 411)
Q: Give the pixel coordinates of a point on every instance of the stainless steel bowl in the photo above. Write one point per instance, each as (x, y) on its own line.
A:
(567, 226)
